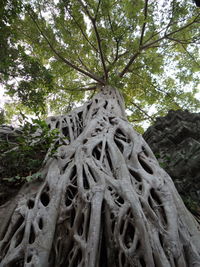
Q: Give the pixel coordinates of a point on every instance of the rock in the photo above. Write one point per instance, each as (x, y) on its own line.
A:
(175, 141)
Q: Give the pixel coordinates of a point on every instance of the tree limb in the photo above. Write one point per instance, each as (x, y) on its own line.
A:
(66, 61)
(129, 64)
(191, 56)
(144, 24)
(83, 64)
(117, 40)
(179, 41)
(167, 35)
(82, 32)
(91, 88)
(143, 111)
(95, 18)
(149, 45)
(93, 21)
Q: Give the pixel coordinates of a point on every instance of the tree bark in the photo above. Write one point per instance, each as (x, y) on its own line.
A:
(104, 200)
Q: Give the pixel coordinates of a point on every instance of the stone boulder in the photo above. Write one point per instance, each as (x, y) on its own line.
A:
(175, 141)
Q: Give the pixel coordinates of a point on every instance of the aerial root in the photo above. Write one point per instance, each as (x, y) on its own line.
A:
(104, 201)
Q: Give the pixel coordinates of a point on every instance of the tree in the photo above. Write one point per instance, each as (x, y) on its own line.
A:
(103, 200)
(43, 43)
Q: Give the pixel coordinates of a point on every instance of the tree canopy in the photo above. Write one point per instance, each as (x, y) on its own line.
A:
(94, 193)
(56, 53)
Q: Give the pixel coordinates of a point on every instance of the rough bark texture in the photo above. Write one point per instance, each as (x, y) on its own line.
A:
(104, 200)
(175, 141)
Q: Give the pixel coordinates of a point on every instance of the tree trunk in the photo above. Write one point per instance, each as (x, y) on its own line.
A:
(104, 200)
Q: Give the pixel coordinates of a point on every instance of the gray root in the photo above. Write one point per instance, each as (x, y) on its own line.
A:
(104, 200)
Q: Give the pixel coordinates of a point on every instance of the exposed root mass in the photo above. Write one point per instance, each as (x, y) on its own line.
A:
(104, 201)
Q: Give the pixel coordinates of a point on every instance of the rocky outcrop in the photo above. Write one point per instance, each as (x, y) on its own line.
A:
(175, 140)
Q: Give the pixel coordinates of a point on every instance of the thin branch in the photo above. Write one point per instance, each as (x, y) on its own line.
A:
(91, 88)
(117, 40)
(110, 23)
(144, 24)
(158, 89)
(95, 18)
(117, 51)
(172, 17)
(112, 64)
(179, 41)
(166, 36)
(66, 61)
(83, 64)
(171, 23)
(83, 33)
(129, 64)
(149, 45)
(153, 35)
(97, 37)
(191, 56)
(143, 111)
(137, 120)
(167, 94)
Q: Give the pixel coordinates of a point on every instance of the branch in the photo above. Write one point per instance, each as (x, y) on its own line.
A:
(167, 94)
(117, 51)
(93, 21)
(159, 89)
(153, 35)
(149, 45)
(144, 24)
(172, 16)
(83, 64)
(129, 64)
(66, 61)
(91, 88)
(97, 10)
(118, 56)
(83, 33)
(166, 36)
(117, 40)
(190, 56)
(143, 111)
(179, 41)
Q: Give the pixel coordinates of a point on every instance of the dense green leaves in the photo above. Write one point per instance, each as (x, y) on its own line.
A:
(22, 151)
(56, 51)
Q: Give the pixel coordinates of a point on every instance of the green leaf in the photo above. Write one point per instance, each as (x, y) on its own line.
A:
(38, 39)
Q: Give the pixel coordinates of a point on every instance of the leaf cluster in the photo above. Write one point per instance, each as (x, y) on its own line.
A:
(22, 152)
(56, 52)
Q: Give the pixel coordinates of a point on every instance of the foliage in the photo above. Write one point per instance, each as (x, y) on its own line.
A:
(22, 73)
(54, 53)
(2, 117)
(22, 153)
(191, 204)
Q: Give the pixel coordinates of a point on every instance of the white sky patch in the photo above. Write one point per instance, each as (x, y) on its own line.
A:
(88, 24)
(2, 100)
(197, 95)
(3, 97)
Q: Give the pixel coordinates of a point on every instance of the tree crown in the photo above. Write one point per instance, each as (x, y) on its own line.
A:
(55, 53)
